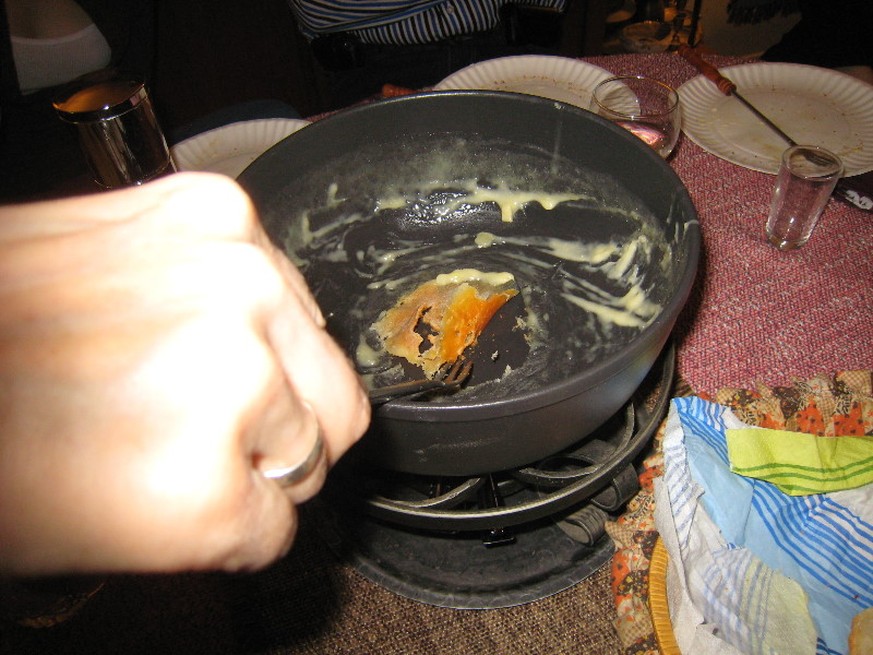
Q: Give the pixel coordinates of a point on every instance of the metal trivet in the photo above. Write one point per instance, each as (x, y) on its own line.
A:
(496, 540)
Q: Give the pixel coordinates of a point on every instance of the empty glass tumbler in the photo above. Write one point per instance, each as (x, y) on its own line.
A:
(643, 106)
(118, 131)
(804, 183)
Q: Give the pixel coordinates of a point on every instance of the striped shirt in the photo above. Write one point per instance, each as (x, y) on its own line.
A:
(403, 22)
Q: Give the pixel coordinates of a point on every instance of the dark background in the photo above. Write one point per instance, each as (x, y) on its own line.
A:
(219, 53)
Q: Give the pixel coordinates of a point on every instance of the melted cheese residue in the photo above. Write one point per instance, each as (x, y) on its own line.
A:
(485, 240)
(460, 276)
(511, 201)
(631, 310)
(471, 193)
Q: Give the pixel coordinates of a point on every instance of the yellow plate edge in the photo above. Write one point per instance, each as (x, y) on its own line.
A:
(658, 606)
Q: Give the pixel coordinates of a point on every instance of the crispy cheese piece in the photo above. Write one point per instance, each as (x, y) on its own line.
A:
(433, 324)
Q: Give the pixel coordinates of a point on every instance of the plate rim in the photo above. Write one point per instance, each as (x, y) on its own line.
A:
(533, 65)
(293, 125)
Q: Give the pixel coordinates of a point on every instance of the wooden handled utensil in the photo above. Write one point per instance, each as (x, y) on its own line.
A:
(728, 88)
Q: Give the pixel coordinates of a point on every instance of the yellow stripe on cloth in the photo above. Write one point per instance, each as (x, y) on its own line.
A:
(798, 463)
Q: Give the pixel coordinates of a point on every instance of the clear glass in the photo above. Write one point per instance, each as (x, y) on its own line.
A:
(644, 106)
(118, 131)
(804, 184)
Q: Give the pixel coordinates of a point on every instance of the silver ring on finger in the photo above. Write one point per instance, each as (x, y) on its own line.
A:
(289, 475)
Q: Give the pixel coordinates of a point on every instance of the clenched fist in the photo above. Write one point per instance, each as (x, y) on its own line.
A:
(157, 356)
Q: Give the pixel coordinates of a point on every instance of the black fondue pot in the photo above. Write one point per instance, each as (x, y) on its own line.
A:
(372, 201)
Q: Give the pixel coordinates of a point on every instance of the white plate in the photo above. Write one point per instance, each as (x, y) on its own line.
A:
(231, 148)
(812, 105)
(557, 78)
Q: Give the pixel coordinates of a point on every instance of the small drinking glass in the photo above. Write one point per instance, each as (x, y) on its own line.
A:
(118, 131)
(804, 183)
(647, 108)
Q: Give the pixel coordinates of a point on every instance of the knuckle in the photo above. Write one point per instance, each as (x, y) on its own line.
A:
(216, 205)
(245, 274)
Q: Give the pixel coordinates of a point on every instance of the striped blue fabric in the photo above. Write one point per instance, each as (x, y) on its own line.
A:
(742, 599)
(823, 538)
(822, 541)
(403, 22)
(748, 608)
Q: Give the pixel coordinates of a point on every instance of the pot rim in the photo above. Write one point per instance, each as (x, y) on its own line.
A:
(655, 334)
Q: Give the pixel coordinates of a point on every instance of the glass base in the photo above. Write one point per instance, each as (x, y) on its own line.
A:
(784, 244)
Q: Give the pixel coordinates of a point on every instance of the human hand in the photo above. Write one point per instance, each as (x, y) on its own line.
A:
(157, 354)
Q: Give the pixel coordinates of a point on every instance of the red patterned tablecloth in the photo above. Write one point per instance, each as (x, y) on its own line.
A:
(767, 333)
(758, 314)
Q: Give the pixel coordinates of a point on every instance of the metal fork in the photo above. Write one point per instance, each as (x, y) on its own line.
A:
(451, 380)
